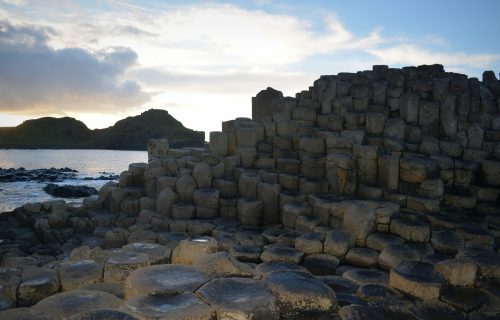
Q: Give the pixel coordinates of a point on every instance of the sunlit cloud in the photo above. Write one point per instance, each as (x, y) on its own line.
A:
(414, 55)
(37, 79)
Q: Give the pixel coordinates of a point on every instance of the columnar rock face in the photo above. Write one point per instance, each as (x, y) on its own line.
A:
(378, 183)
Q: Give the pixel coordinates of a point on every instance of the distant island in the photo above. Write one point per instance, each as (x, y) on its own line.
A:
(131, 133)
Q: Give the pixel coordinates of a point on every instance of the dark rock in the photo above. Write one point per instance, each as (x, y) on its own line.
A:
(68, 191)
(39, 175)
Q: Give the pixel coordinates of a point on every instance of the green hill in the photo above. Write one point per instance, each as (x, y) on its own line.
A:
(131, 133)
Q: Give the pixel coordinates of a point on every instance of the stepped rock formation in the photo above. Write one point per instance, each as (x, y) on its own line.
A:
(371, 195)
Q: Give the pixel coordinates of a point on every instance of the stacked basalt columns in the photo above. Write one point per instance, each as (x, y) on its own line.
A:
(410, 152)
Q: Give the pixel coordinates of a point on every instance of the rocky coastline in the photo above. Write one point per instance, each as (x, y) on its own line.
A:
(372, 195)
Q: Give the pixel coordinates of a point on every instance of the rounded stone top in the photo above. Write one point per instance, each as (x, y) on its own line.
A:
(73, 302)
(163, 279)
(419, 271)
(240, 295)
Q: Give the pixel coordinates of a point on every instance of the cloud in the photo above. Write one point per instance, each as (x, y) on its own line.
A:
(36, 78)
(14, 2)
(414, 55)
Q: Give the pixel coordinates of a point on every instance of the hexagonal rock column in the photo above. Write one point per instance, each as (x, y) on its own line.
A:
(250, 212)
(418, 279)
(283, 254)
(36, 284)
(300, 293)
(240, 298)
(163, 279)
(77, 274)
(188, 251)
(221, 264)
(9, 280)
(411, 230)
(181, 306)
(157, 253)
(207, 203)
(394, 254)
(366, 276)
(66, 304)
(272, 266)
(120, 264)
(359, 221)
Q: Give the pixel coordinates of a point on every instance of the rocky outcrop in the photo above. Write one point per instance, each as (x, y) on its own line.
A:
(69, 191)
(370, 195)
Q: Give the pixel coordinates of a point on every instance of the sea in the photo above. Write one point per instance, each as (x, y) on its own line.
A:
(88, 163)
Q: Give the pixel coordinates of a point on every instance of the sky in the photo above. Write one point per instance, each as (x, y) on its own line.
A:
(102, 60)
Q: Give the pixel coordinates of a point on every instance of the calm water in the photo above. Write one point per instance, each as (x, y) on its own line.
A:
(89, 163)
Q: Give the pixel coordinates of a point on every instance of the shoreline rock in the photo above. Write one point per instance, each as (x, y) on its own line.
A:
(69, 191)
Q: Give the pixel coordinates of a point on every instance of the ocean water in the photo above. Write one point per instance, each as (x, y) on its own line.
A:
(88, 163)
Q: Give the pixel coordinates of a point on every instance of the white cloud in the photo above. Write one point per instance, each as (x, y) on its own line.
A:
(414, 55)
(37, 79)
(14, 2)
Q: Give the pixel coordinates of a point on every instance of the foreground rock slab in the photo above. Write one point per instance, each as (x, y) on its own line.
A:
(418, 279)
(65, 304)
(183, 306)
(240, 298)
(299, 293)
(163, 280)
